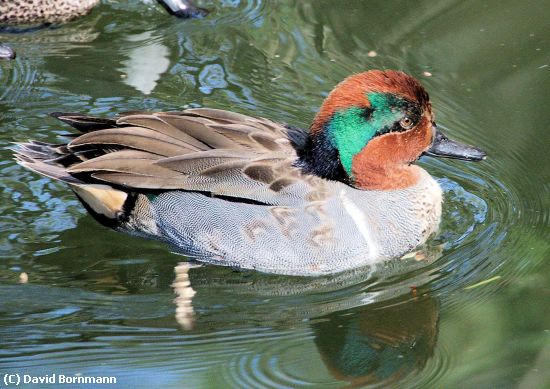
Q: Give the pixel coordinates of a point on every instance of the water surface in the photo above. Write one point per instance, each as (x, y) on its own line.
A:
(472, 314)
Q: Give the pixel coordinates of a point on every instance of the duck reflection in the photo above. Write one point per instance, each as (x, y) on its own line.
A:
(378, 343)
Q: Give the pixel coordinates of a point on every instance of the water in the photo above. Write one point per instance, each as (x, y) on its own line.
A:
(474, 314)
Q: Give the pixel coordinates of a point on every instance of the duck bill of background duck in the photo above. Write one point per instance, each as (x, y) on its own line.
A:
(184, 9)
(443, 147)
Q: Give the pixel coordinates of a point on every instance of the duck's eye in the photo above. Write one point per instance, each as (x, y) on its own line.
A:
(406, 123)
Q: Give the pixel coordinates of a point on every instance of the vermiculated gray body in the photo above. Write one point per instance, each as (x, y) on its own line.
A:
(347, 229)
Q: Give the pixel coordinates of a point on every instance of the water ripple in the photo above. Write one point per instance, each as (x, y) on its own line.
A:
(16, 78)
(270, 365)
(88, 304)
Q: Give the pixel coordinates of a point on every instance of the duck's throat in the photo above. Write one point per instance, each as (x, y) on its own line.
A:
(385, 162)
(373, 176)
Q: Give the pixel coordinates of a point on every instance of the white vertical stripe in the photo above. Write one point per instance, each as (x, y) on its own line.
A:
(360, 221)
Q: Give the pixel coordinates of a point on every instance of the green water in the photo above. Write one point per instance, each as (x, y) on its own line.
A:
(101, 303)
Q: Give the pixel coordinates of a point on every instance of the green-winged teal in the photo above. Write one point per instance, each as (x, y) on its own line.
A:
(247, 192)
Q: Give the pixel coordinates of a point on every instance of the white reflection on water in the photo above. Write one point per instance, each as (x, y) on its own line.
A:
(146, 62)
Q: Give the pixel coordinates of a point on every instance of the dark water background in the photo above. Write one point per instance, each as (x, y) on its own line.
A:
(101, 303)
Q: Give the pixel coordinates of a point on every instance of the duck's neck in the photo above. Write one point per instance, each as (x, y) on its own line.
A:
(319, 157)
(385, 163)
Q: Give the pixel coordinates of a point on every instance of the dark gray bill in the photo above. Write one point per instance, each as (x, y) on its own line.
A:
(444, 147)
(184, 9)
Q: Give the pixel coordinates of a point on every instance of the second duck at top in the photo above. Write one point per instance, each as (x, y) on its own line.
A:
(16, 12)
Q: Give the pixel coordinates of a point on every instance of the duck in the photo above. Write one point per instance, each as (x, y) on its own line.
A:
(50, 12)
(13, 14)
(61, 11)
(229, 189)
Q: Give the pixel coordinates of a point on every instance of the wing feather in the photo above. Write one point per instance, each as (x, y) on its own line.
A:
(157, 124)
(201, 149)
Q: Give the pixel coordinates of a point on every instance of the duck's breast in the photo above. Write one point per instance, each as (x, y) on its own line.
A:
(402, 219)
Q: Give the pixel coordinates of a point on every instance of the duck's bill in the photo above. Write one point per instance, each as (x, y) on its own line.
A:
(444, 147)
(184, 9)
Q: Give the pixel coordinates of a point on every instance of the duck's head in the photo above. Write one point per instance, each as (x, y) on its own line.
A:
(370, 129)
